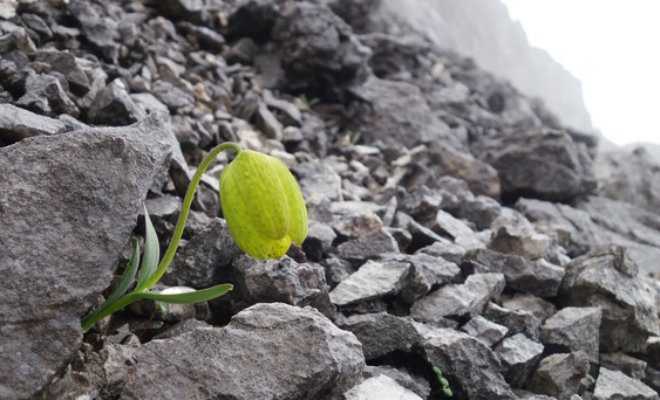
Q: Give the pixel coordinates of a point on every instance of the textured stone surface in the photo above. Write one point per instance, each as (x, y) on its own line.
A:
(559, 375)
(293, 353)
(535, 277)
(205, 260)
(17, 123)
(373, 280)
(612, 385)
(515, 321)
(488, 332)
(381, 333)
(469, 298)
(467, 363)
(415, 383)
(574, 329)
(519, 356)
(282, 280)
(85, 218)
(380, 388)
(608, 278)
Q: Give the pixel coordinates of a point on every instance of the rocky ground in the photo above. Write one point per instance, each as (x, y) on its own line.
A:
(453, 221)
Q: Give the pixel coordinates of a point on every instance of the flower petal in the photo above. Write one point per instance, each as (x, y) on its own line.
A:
(298, 222)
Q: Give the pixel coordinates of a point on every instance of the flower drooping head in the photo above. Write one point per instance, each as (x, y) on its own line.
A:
(262, 205)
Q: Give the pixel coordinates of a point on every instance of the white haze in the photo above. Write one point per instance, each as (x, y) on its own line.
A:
(613, 47)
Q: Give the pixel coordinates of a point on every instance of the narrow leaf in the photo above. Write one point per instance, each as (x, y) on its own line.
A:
(196, 296)
(151, 251)
(125, 282)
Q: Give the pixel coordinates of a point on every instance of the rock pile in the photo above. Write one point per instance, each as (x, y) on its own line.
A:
(453, 223)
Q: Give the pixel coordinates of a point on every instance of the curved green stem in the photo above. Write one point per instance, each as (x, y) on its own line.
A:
(181, 223)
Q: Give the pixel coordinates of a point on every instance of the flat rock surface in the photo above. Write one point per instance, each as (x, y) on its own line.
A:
(85, 217)
(294, 353)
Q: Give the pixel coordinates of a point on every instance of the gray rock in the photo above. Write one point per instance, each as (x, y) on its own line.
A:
(372, 281)
(538, 278)
(607, 278)
(113, 106)
(361, 223)
(520, 242)
(488, 332)
(381, 387)
(538, 307)
(414, 383)
(525, 395)
(381, 333)
(448, 251)
(205, 260)
(17, 123)
(559, 375)
(283, 280)
(481, 211)
(519, 356)
(368, 247)
(293, 353)
(425, 273)
(612, 385)
(469, 298)
(423, 236)
(44, 94)
(318, 177)
(65, 63)
(397, 114)
(267, 123)
(100, 31)
(546, 165)
(446, 224)
(633, 367)
(317, 47)
(176, 99)
(573, 329)
(319, 241)
(85, 217)
(467, 363)
(515, 321)
(181, 328)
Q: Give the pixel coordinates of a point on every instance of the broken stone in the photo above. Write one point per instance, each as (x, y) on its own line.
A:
(520, 242)
(519, 356)
(538, 278)
(515, 321)
(538, 307)
(368, 247)
(559, 375)
(573, 329)
(373, 280)
(633, 367)
(381, 387)
(17, 124)
(488, 332)
(381, 333)
(297, 352)
(613, 385)
(54, 186)
(113, 106)
(414, 383)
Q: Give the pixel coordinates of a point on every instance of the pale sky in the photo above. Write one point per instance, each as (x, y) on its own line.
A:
(613, 47)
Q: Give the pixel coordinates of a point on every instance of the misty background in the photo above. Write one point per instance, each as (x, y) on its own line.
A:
(611, 46)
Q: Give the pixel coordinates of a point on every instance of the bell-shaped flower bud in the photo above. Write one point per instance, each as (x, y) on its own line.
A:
(262, 204)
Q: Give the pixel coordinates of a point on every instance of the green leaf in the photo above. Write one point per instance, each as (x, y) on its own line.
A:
(196, 296)
(437, 370)
(448, 392)
(444, 382)
(151, 251)
(124, 283)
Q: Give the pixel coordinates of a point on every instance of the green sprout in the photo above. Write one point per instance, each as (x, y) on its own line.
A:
(309, 102)
(443, 381)
(264, 210)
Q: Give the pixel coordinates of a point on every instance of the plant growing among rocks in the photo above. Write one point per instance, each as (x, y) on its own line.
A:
(265, 213)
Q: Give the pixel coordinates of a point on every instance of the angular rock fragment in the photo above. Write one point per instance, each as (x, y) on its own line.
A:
(113, 106)
(633, 367)
(283, 280)
(381, 387)
(573, 329)
(538, 278)
(17, 123)
(469, 298)
(488, 332)
(85, 219)
(538, 307)
(559, 375)
(373, 280)
(293, 353)
(612, 385)
(205, 260)
(515, 321)
(368, 247)
(470, 366)
(519, 356)
(607, 278)
(381, 333)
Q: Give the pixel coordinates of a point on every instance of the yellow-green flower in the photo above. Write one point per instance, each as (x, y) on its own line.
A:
(262, 204)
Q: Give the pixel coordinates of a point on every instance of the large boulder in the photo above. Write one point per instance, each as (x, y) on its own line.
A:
(69, 203)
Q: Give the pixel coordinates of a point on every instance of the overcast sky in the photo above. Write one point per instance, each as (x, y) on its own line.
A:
(613, 47)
